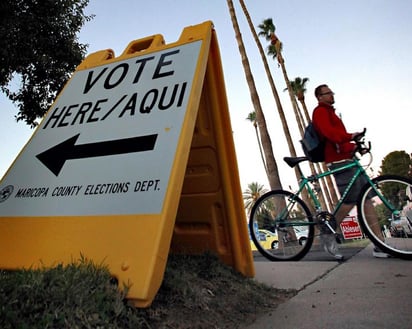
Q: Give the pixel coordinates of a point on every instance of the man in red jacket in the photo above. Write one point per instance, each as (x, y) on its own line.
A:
(339, 149)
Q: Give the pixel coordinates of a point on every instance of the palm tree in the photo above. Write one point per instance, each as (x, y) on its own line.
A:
(267, 30)
(272, 85)
(274, 91)
(272, 168)
(253, 192)
(299, 88)
(252, 118)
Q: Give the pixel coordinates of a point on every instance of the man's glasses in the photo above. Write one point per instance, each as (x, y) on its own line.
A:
(328, 93)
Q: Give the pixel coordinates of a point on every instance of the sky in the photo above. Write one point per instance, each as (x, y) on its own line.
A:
(360, 48)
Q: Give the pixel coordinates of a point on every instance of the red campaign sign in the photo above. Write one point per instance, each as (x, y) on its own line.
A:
(350, 228)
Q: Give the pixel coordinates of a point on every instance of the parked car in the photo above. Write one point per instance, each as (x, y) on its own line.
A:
(401, 227)
(301, 234)
(267, 239)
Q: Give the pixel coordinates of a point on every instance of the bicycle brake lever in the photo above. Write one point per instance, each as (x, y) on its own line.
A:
(357, 138)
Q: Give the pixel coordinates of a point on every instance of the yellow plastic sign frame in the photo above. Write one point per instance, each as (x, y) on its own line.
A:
(201, 205)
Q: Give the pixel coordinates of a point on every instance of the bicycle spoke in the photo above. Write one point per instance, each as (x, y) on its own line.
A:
(282, 217)
(385, 215)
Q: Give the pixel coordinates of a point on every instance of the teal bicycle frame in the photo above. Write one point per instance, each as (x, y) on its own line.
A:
(304, 183)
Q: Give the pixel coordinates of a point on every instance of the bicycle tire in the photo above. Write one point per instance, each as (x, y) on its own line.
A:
(394, 189)
(295, 232)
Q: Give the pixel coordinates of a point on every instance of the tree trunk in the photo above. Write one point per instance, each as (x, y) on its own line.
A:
(255, 125)
(272, 168)
(272, 85)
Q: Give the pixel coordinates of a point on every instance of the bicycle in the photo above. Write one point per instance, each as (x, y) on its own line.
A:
(285, 213)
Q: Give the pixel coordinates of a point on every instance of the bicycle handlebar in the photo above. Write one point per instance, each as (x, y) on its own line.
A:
(362, 146)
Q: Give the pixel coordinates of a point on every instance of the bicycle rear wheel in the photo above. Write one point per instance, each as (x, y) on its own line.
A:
(283, 217)
(392, 204)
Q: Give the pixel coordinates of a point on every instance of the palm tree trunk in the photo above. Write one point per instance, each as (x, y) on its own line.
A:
(305, 109)
(272, 168)
(272, 85)
(255, 125)
(289, 88)
(252, 118)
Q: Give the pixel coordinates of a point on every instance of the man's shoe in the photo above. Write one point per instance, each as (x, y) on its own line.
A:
(338, 256)
(339, 238)
(379, 253)
(328, 242)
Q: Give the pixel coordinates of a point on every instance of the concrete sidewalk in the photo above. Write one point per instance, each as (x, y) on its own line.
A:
(363, 292)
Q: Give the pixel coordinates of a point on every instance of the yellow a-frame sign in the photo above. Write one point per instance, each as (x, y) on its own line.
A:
(134, 159)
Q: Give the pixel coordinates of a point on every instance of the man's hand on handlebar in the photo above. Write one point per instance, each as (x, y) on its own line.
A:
(359, 135)
(361, 146)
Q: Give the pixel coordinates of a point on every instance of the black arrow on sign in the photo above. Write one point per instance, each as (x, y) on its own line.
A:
(55, 157)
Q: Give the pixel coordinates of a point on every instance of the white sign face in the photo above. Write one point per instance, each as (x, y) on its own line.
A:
(108, 143)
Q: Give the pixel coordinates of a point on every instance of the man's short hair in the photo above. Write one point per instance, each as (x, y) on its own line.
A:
(318, 90)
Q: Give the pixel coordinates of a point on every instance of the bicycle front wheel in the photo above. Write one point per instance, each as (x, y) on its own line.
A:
(385, 214)
(281, 226)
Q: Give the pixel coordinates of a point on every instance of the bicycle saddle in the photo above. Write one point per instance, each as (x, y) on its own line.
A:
(293, 161)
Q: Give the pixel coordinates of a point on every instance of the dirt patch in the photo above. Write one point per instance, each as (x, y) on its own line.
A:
(200, 292)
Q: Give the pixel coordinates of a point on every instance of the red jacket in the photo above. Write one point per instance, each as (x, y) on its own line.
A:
(338, 144)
